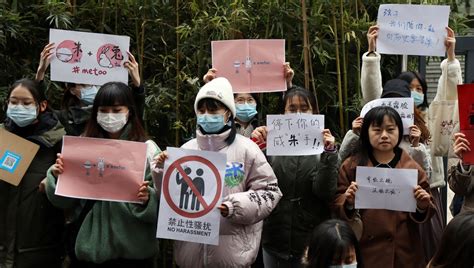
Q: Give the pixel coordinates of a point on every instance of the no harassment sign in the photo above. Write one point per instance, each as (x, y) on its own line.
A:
(191, 192)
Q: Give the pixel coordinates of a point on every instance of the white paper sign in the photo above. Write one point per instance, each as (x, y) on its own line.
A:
(412, 29)
(88, 58)
(293, 134)
(386, 188)
(404, 107)
(191, 191)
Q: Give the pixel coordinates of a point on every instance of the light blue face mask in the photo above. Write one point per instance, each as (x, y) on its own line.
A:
(245, 112)
(352, 265)
(417, 98)
(22, 115)
(211, 123)
(88, 94)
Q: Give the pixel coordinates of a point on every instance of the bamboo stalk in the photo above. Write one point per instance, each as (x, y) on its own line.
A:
(338, 70)
(359, 93)
(176, 141)
(305, 45)
(344, 64)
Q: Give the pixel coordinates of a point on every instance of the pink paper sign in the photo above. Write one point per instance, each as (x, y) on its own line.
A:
(102, 169)
(251, 65)
(466, 117)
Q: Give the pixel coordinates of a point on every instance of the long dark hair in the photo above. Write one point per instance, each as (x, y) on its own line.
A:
(375, 116)
(457, 243)
(409, 76)
(330, 241)
(303, 93)
(33, 87)
(115, 94)
(214, 104)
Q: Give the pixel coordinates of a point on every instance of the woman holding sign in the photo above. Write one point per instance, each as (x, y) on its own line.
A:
(77, 100)
(248, 196)
(112, 234)
(371, 86)
(389, 238)
(308, 184)
(30, 226)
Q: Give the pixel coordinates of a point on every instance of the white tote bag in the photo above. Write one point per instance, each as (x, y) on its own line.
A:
(443, 118)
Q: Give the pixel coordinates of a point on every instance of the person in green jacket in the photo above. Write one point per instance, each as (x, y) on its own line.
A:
(30, 226)
(308, 184)
(112, 234)
(77, 100)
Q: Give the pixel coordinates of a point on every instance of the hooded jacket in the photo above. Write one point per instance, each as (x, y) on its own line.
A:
(250, 199)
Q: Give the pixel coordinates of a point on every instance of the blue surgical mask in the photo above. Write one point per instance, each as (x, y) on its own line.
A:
(245, 112)
(22, 115)
(417, 98)
(352, 265)
(88, 94)
(211, 123)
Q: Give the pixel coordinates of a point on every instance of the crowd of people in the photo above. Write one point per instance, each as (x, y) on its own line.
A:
(307, 215)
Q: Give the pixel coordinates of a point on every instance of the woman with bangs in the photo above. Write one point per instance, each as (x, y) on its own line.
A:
(111, 234)
(389, 238)
(308, 184)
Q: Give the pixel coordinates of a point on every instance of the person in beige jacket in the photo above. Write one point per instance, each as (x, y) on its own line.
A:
(249, 196)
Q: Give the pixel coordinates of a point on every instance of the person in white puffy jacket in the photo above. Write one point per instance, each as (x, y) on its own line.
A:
(371, 85)
(247, 199)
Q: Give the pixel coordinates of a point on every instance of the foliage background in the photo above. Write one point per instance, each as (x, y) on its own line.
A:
(171, 40)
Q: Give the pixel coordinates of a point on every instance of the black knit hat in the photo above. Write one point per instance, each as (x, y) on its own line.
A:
(396, 88)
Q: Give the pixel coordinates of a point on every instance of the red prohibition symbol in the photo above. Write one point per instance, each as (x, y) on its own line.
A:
(177, 165)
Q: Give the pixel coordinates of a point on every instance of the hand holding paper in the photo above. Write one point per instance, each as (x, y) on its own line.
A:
(143, 193)
(372, 35)
(58, 167)
(461, 144)
(45, 60)
(133, 70)
(357, 125)
(328, 140)
(350, 193)
(450, 44)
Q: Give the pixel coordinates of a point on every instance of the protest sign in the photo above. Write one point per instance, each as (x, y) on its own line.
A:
(386, 188)
(404, 107)
(466, 118)
(190, 194)
(102, 169)
(16, 155)
(295, 134)
(412, 29)
(88, 58)
(251, 65)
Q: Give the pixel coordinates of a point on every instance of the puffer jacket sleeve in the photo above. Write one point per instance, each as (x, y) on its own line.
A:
(262, 193)
(325, 181)
(421, 156)
(57, 200)
(450, 78)
(348, 143)
(371, 77)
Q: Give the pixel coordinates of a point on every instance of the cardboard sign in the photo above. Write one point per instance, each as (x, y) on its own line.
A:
(88, 58)
(412, 29)
(16, 155)
(102, 169)
(466, 118)
(404, 106)
(251, 65)
(295, 134)
(191, 192)
(386, 188)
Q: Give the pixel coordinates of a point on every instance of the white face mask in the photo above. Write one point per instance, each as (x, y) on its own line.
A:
(112, 122)
(352, 265)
